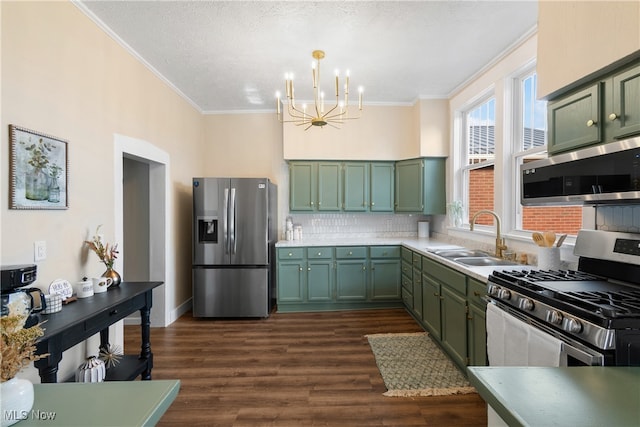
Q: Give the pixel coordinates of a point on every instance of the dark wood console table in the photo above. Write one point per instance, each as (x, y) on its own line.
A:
(85, 317)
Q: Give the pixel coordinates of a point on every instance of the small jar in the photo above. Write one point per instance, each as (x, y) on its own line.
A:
(297, 232)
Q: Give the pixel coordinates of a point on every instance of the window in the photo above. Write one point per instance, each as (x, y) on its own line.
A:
(530, 143)
(478, 169)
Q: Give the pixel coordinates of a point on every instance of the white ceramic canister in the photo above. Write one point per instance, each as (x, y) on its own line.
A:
(549, 258)
(84, 288)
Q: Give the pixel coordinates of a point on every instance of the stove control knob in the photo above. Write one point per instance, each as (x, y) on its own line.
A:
(573, 325)
(554, 316)
(504, 294)
(493, 290)
(525, 304)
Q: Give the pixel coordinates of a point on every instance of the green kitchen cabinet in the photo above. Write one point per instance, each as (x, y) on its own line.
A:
(476, 322)
(302, 186)
(454, 324)
(291, 273)
(315, 186)
(431, 312)
(420, 186)
(623, 106)
(604, 110)
(329, 186)
(574, 120)
(417, 285)
(382, 177)
(320, 274)
(356, 187)
(384, 273)
(351, 273)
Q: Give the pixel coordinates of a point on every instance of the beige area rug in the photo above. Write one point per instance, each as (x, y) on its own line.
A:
(412, 364)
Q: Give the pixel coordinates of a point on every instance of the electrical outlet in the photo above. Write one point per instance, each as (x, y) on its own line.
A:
(39, 250)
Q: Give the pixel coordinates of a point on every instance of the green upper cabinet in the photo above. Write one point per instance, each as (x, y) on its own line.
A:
(315, 186)
(356, 187)
(574, 121)
(302, 188)
(341, 186)
(420, 186)
(623, 109)
(381, 188)
(601, 112)
(329, 186)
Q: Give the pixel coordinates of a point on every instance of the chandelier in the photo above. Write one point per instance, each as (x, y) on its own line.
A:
(317, 114)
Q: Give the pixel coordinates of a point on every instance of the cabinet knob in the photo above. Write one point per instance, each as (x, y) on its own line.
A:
(319, 253)
(591, 123)
(311, 203)
(435, 294)
(613, 116)
(373, 203)
(476, 293)
(350, 253)
(308, 268)
(290, 254)
(300, 268)
(364, 268)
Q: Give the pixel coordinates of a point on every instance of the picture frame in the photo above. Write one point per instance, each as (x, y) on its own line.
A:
(38, 170)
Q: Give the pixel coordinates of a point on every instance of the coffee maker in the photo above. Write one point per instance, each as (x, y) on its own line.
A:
(14, 282)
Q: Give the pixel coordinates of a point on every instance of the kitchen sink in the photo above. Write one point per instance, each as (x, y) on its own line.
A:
(461, 253)
(482, 261)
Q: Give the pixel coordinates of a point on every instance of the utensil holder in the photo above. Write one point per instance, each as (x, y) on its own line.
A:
(549, 258)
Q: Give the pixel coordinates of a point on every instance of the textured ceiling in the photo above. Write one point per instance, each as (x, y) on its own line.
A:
(232, 55)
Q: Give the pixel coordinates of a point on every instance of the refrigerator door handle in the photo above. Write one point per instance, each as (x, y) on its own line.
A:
(225, 221)
(232, 222)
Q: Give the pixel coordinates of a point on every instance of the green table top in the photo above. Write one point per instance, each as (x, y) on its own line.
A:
(572, 396)
(115, 403)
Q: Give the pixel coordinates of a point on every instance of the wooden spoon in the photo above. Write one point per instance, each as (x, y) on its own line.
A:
(549, 238)
(561, 240)
(538, 238)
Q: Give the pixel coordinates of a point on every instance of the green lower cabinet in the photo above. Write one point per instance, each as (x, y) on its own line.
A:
(291, 275)
(431, 312)
(351, 280)
(319, 281)
(477, 335)
(454, 325)
(385, 279)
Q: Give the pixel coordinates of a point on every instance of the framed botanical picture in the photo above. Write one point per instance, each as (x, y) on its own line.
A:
(38, 170)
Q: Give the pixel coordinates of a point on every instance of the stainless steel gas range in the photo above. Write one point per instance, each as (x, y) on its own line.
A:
(593, 314)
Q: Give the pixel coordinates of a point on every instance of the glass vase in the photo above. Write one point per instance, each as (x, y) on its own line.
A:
(36, 185)
(111, 273)
(54, 190)
(17, 400)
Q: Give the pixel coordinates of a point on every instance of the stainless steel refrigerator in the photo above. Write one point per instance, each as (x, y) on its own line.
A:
(234, 234)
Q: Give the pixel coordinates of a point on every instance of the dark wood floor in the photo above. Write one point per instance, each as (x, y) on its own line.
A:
(307, 369)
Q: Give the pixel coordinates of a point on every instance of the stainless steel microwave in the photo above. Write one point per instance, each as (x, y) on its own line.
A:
(608, 173)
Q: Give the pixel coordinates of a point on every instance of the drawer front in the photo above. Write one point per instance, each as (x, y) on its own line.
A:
(346, 252)
(407, 282)
(407, 255)
(290, 253)
(417, 261)
(445, 275)
(319, 253)
(385, 251)
(407, 270)
(407, 297)
(476, 291)
(109, 317)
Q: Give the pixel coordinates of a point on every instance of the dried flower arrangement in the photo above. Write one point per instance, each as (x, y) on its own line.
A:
(18, 343)
(106, 252)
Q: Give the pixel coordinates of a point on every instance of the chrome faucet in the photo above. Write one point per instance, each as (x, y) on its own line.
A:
(500, 243)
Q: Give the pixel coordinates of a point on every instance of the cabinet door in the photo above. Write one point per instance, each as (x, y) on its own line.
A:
(434, 186)
(417, 293)
(385, 279)
(351, 280)
(302, 186)
(409, 186)
(477, 335)
(329, 187)
(431, 310)
(574, 121)
(291, 281)
(624, 117)
(319, 281)
(454, 325)
(381, 188)
(356, 187)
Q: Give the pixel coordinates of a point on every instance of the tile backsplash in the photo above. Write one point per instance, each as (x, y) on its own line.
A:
(318, 226)
(618, 218)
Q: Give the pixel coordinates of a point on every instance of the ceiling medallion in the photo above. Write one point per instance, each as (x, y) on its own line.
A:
(317, 115)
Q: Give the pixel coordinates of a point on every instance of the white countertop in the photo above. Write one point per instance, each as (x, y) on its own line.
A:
(425, 246)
